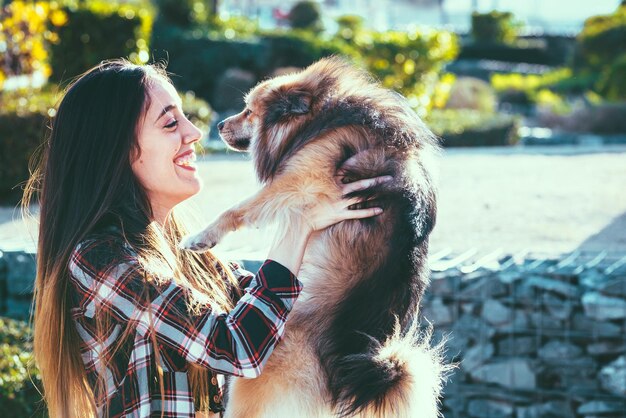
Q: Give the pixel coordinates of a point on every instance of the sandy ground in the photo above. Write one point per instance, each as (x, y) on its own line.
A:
(543, 200)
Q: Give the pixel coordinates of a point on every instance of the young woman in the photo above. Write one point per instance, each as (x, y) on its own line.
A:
(126, 324)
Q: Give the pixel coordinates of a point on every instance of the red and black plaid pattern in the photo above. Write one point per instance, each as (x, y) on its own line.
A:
(107, 279)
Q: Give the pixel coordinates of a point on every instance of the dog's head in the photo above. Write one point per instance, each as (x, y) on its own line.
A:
(277, 110)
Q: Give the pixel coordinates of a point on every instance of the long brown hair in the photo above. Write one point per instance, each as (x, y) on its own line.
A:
(84, 180)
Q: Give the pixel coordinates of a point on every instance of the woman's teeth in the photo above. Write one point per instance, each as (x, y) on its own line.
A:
(186, 160)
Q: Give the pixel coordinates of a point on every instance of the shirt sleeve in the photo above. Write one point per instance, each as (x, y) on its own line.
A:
(238, 342)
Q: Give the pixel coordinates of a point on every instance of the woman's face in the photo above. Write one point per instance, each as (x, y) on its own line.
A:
(165, 166)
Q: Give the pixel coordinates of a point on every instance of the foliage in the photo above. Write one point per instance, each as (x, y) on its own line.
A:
(197, 110)
(466, 127)
(23, 118)
(18, 376)
(601, 48)
(494, 27)
(97, 30)
(408, 62)
(612, 82)
(602, 38)
(349, 26)
(530, 82)
(305, 15)
(23, 35)
(177, 12)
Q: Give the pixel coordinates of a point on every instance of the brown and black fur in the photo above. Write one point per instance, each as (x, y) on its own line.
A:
(350, 346)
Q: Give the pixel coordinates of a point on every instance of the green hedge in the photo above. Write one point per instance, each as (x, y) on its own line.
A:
(494, 27)
(601, 52)
(409, 62)
(472, 128)
(23, 118)
(19, 397)
(97, 30)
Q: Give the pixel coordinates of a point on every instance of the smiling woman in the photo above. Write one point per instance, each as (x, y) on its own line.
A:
(126, 323)
(165, 166)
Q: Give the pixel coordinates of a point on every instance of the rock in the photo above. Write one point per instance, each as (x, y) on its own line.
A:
(548, 409)
(556, 350)
(557, 307)
(595, 329)
(437, 313)
(495, 312)
(592, 279)
(602, 407)
(564, 289)
(444, 285)
(230, 88)
(600, 307)
(472, 328)
(514, 373)
(606, 347)
(615, 287)
(519, 322)
(613, 377)
(544, 322)
(489, 408)
(476, 356)
(517, 346)
(484, 287)
(21, 272)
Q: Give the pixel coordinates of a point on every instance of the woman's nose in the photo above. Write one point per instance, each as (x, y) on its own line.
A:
(194, 134)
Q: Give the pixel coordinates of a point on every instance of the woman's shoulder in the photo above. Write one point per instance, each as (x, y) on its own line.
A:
(102, 248)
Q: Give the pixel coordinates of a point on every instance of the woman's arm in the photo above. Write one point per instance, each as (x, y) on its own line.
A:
(110, 281)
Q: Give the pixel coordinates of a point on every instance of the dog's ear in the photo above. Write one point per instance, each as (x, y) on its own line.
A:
(299, 102)
(291, 102)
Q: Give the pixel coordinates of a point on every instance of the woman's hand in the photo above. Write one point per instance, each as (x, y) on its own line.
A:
(324, 214)
(289, 249)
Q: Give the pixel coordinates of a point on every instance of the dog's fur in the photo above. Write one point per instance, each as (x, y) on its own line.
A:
(351, 346)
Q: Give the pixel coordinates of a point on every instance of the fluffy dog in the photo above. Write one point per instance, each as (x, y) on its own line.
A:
(351, 346)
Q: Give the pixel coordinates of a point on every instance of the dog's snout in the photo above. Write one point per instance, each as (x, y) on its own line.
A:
(220, 125)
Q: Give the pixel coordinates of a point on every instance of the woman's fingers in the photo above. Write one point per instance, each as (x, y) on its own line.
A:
(364, 184)
(363, 213)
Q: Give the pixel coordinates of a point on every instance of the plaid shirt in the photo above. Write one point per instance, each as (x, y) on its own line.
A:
(106, 277)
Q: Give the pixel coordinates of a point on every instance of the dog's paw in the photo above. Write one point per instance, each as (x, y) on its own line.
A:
(198, 243)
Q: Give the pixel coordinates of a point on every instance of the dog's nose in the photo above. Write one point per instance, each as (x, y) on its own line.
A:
(220, 125)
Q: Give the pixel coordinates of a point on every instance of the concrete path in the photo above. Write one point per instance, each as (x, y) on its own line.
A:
(548, 200)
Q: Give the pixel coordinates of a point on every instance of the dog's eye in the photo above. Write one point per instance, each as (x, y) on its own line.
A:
(247, 113)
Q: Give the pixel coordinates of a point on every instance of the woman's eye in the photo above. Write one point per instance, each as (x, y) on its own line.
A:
(172, 124)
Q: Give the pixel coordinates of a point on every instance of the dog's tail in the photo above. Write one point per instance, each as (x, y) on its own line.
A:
(400, 377)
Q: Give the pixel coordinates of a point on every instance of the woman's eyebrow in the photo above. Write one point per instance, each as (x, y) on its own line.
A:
(165, 110)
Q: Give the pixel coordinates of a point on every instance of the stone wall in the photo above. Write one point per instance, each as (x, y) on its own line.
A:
(533, 338)
(539, 338)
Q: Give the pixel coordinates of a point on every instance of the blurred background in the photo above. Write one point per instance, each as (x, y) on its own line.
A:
(528, 100)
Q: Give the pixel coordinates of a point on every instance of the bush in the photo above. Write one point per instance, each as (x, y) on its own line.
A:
(305, 15)
(197, 110)
(177, 12)
(602, 39)
(18, 376)
(22, 40)
(408, 62)
(600, 52)
(612, 82)
(494, 27)
(23, 118)
(96, 31)
(467, 128)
